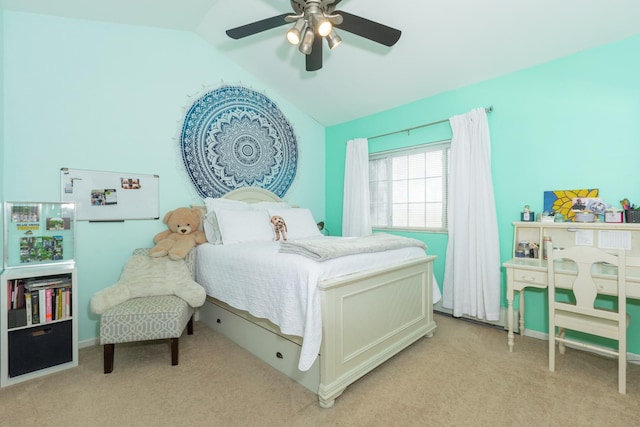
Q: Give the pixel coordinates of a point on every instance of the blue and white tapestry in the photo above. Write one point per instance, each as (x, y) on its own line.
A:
(235, 137)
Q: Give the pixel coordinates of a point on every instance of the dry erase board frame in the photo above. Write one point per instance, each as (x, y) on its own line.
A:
(110, 196)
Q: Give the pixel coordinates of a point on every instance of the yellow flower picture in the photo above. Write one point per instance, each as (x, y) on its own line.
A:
(561, 201)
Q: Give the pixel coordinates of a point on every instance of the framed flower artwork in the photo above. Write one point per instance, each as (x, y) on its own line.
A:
(563, 201)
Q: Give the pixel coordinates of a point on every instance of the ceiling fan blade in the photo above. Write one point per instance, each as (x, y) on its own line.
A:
(314, 59)
(257, 27)
(371, 30)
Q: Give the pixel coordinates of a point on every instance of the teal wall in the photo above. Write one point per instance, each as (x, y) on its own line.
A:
(109, 97)
(570, 123)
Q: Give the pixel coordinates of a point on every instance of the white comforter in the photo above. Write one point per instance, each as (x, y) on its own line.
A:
(282, 287)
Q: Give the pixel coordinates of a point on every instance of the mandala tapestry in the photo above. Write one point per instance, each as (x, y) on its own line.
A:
(236, 137)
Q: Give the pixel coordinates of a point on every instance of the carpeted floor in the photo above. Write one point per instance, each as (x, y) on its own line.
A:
(463, 376)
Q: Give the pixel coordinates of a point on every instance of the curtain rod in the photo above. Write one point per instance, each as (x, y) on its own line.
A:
(408, 130)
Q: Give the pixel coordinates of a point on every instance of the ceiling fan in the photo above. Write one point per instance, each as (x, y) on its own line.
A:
(314, 21)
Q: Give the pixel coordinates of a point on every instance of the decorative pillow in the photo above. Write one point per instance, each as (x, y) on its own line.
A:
(210, 223)
(237, 226)
(300, 222)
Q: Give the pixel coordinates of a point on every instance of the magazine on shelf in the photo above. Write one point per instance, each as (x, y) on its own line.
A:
(47, 282)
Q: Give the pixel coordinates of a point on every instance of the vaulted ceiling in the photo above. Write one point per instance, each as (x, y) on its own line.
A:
(444, 45)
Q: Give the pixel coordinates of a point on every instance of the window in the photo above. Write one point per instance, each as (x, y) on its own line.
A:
(408, 187)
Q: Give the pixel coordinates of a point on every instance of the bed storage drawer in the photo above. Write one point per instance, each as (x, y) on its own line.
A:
(277, 351)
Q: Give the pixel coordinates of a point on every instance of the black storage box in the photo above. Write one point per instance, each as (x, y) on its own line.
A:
(40, 347)
(17, 318)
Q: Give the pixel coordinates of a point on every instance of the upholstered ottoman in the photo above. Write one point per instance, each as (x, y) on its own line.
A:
(143, 319)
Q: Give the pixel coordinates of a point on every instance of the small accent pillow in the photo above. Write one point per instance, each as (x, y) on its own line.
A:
(300, 222)
(237, 226)
(210, 223)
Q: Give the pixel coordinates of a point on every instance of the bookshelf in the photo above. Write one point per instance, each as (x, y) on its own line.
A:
(38, 291)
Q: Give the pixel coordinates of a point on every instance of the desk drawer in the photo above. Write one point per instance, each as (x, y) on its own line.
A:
(530, 276)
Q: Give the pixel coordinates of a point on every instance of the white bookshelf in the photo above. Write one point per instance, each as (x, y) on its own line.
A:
(38, 339)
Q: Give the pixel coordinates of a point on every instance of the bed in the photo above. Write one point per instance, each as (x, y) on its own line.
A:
(354, 317)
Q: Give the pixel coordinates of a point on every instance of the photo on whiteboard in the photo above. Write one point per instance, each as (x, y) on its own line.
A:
(58, 223)
(104, 197)
(41, 248)
(130, 183)
(25, 213)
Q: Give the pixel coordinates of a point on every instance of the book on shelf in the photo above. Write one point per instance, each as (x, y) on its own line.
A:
(42, 300)
(47, 282)
(15, 294)
(67, 303)
(27, 306)
(54, 302)
(49, 304)
(35, 307)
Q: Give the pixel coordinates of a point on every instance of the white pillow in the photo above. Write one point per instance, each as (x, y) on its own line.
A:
(300, 222)
(210, 223)
(237, 226)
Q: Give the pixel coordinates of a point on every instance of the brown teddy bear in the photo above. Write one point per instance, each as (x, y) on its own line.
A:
(182, 236)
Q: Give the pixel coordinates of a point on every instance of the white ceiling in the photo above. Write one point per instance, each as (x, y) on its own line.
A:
(444, 45)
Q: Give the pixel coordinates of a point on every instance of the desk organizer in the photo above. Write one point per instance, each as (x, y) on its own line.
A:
(632, 216)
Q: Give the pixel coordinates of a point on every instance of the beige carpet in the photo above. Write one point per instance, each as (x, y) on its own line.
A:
(463, 376)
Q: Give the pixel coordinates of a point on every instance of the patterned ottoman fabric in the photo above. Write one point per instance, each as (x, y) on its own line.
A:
(148, 318)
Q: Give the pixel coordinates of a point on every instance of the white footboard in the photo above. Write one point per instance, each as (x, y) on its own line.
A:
(367, 318)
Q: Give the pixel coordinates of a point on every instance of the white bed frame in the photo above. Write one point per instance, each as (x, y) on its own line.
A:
(367, 318)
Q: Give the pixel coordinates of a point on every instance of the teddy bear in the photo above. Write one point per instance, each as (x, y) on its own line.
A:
(182, 236)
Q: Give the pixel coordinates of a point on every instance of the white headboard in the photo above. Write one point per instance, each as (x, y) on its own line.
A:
(252, 195)
(246, 194)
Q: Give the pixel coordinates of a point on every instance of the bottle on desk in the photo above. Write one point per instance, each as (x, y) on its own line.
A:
(545, 240)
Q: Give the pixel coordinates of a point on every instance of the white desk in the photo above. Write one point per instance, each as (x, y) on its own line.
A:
(532, 273)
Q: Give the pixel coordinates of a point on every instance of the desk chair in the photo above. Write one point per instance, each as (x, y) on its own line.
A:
(582, 315)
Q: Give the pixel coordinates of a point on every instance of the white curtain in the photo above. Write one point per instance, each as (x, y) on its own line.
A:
(356, 215)
(472, 267)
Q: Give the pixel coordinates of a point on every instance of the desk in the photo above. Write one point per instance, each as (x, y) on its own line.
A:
(532, 273)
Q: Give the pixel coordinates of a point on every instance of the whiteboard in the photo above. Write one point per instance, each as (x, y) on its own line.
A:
(110, 196)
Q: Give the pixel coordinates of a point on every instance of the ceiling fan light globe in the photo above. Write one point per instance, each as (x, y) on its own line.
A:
(294, 35)
(307, 41)
(321, 24)
(324, 27)
(333, 39)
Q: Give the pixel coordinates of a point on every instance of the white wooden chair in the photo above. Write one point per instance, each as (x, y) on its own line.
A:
(582, 315)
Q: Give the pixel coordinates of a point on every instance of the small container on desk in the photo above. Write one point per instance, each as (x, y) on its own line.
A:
(613, 216)
(632, 215)
(527, 216)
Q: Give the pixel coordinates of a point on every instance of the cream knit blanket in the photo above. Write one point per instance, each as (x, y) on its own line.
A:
(146, 276)
(324, 249)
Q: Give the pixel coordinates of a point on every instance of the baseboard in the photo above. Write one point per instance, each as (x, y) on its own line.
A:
(89, 343)
(501, 322)
(631, 357)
